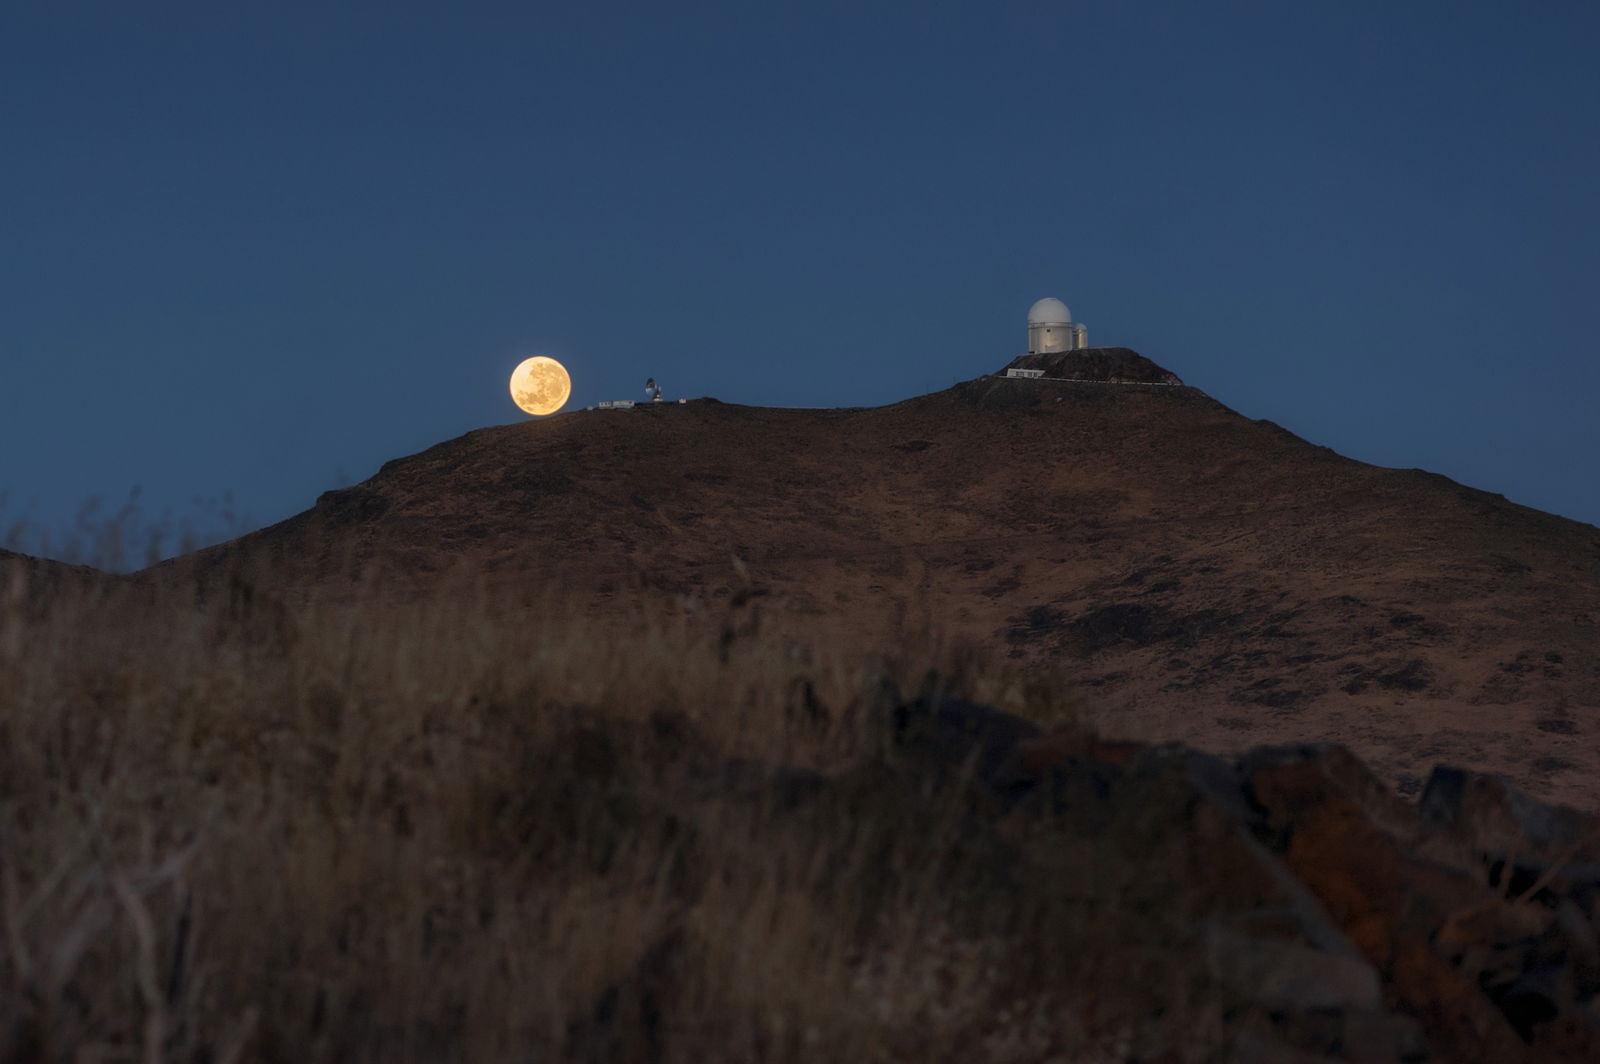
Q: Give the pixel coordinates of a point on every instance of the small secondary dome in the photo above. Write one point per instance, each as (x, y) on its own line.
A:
(1049, 312)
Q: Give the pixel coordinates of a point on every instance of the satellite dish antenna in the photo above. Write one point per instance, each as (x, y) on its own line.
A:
(653, 390)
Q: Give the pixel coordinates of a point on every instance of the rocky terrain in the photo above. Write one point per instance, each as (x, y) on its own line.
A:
(1347, 923)
(1208, 578)
(1076, 717)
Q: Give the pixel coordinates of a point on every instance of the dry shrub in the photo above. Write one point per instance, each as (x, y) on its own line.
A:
(348, 829)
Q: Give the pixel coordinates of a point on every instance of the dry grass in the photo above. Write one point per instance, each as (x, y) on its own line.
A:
(239, 831)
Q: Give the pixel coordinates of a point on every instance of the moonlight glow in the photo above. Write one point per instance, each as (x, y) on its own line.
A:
(540, 385)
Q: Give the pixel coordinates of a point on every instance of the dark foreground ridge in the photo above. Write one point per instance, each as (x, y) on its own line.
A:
(593, 739)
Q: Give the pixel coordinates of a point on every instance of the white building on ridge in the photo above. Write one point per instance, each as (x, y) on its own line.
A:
(1051, 329)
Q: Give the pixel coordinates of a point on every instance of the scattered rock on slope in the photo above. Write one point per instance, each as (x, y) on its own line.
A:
(1366, 926)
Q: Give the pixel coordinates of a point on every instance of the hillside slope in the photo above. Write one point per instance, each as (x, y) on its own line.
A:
(1210, 578)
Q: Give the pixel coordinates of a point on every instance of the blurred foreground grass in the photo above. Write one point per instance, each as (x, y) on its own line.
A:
(235, 830)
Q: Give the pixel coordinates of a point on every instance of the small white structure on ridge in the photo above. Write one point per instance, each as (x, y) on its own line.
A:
(651, 388)
(1051, 329)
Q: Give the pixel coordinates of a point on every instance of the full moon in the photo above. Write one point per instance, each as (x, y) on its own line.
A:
(540, 385)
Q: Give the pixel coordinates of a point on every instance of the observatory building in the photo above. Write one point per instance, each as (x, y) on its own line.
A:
(1051, 329)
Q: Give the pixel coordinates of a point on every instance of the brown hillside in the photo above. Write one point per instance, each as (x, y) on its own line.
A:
(1211, 578)
(22, 575)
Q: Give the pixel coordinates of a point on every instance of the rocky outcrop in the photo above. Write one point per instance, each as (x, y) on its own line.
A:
(1460, 928)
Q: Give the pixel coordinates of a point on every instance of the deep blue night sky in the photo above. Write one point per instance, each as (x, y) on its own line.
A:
(261, 248)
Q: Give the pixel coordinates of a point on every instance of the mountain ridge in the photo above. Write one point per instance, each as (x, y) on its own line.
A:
(1209, 577)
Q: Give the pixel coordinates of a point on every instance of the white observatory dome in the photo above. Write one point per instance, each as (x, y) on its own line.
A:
(1049, 312)
(1051, 329)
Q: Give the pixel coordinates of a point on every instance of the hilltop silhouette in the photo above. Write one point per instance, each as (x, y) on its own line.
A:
(1070, 716)
(1207, 577)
